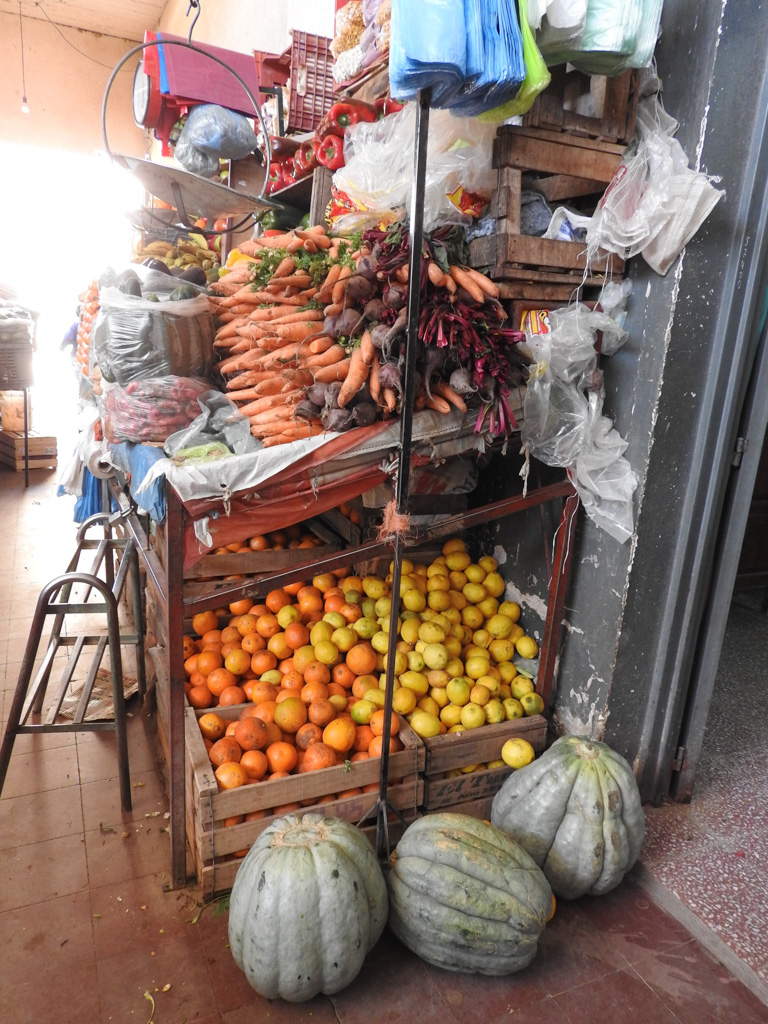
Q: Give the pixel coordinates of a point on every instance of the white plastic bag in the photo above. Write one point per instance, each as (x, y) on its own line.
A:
(561, 14)
(655, 203)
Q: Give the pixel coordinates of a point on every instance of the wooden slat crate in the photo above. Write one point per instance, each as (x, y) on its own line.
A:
(456, 750)
(42, 450)
(572, 166)
(213, 845)
(617, 122)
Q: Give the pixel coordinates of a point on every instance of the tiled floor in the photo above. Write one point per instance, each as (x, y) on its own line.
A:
(89, 934)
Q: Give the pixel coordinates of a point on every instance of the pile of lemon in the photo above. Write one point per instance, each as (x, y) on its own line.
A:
(453, 663)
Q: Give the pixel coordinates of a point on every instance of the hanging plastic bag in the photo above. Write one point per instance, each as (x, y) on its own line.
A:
(561, 14)
(427, 49)
(195, 160)
(219, 132)
(219, 421)
(502, 65)
(152, 410)
(537, 76)
(615, 37)
(655, 202)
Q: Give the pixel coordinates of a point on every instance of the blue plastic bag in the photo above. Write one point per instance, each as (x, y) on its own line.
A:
(503, 63)
(427, 49)
(136, 460)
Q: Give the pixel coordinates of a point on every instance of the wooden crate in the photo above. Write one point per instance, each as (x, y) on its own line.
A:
(42, 450)
(617, 122)
(213, 845)
(571, 166)
(455, 750)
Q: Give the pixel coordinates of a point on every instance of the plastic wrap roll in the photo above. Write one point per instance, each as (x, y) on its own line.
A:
(97, 463)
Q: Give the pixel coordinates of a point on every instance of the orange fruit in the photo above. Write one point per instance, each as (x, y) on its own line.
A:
(322, 583)
(247, 685)
(230, 633)
(352, 583)
(334, 602)
(274, 735)
(263, 661)
(197, 679)
(263, 691)
(230, 775)
(267, 625)
(290, 714)
(231, 695)
(351, 612)
(237, 661)
(296, 635)
(343, 675)
(253, 642)
(219, 680)
(230, 731)
(317, 672)
(207, 661)
(255, 763)
(241, 607)
(363, 737)
(309, 599)
(276, 599)
(363, 683)
(293, 680)
(251, 733)
(293, 588)
(204, 621)
(258, 543)
(200, 697)
(213, 636)
(321, 712)
(281, 757)
(308, 734)
(212, 726)
(279, 647)
(314, 691)
(340, 734)
(377, 723)
(376, 746)
(225, 649)
(361, 659)
(246, 623)
(278, 537)
(349, 792)
(337, 690)
(282, 695)
(302, 657)
(360, 755)
(188, 647)
(318, 755)
(265, 710)
(190, 665)
(225, 749)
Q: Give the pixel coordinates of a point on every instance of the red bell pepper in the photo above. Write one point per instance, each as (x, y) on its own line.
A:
(305, 159)
(330, 153)
(342, 115)
(289, 172)
(386, 105)
(276, 174)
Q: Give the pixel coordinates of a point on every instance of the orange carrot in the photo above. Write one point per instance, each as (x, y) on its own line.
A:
(298, 280)
(483, 283)
(374, 384)
(401, 274)
(332, 355)
(337, 295)
(271, 386)
(434, 273)
(310, 246)
(334, 309)
(367, 348)
(420, 401)
(285, 267)
(462, 278)
(280, 356)
(327, 374)
(245, 395)
(389, 399)
(320, 345)
(449, 283)
(356, 377)
(261, 406)
(298, 331)
(270, 297)
(326, 288)
(246, 361)
(298, 316)
(248, 378)
(300, 377)
(438, 404)
(294, 246)
(272, 312)
(444, 390)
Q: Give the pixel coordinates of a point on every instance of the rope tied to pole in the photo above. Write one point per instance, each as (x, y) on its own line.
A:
(394, 522)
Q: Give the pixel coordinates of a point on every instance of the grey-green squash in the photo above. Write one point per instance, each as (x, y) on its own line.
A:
(463, 896)
(308, 904)
(577, 811)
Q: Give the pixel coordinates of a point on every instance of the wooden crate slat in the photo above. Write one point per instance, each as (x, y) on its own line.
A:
(476, 746)
(440, 792)
(13, 441)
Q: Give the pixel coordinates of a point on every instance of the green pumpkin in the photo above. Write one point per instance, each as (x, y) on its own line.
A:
(577, 811)
(308, 904)
(465, 897)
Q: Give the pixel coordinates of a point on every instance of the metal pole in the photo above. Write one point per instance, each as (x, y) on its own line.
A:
(404, 447)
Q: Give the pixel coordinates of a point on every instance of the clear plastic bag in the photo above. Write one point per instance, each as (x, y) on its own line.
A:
(349, 27)
(219, 421)
(378, 174)
(348, 64)
(655, 202)
(537, 76)
(135, 339)
(616, 35)
(195, 160)
(152, 410)
(219, 132)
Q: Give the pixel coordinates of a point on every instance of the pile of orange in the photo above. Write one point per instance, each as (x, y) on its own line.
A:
(279, 540)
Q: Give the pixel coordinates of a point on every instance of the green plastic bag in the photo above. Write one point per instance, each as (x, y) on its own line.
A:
(537, 76)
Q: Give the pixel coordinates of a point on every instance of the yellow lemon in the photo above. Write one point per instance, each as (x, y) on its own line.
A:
(271, 676)
(369, 608)
(409, 630)
(424, 724)
(457, 579)
(335, 619)
(327, 653)
(504, 691)
(436, 656)
(431, 633)
(488, 562)
(472, 716)
(438, 581)
(415, 661)
(516, 633)
(374, 587)
(362, 711)
(498, 763)
(479, 694)
(471, 616)
(404, 700)
(419, 570)
(439, 695)
(468, 768)
(454, 544)
(380, 641)
(383, 607)
(490, 683)
(375, 697)
(482, 638)
(401, 663)
(414, 600)
(406, 567)
(455, 667)
(521, 685)
(365, 627)
(453, 615)
(458, 691)
(507, 670)
(438, 600)
(511, 609)
(406, 648)
(494, 584)
(438, 676)
(527, 647)
(494, 712)
(474, 667)
(418, 582)
(321, 631)
(488, 605)
(512, 708)
(499, 626)
(458, 728)
(453, 645)
(345, 638)
(450, 715)
(457, 561)
(474, 593)
(475, 573)
(457, 599)
(415, 681)
(429, 705)
(287, 614)
(501, 649)
(532, 704)
(517, 753)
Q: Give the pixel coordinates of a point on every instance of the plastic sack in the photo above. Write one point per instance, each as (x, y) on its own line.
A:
(378, 176)
(349, 27)
(135, 339)
(370, 9)
(427, 48)
(616, 35)
(567, 226)
(568, 15)
(219, 420)
(537, 76)
(195, 160)
(152, 410)
(219, 132)
(349, 64)
(136, 460)
(501, 62)
(655, 202)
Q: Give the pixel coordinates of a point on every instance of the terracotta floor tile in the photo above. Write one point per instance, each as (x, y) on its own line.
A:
(39, 816)
(42, 770)
(621, 998)
(261, 1011)
(698, 989)
(230, 984)
(42, 871)
(123, 980)
(101, 800)
(546, 1011)
(57, 932)
(39, 742)
(117, 853)
(51, 994)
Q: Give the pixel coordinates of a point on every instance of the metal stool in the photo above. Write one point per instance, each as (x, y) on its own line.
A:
(54, 600)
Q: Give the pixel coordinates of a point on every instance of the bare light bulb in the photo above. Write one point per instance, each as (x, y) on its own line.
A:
(24, 105)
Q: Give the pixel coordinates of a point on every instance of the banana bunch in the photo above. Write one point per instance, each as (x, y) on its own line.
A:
(190, 251)
(157, 250)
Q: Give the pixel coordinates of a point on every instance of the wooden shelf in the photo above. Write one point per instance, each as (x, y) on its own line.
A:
(297, 194)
